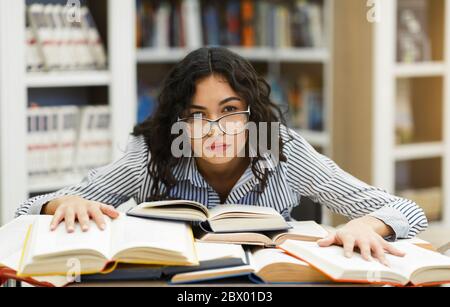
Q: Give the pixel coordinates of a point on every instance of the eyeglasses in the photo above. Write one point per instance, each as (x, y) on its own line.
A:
(230, 124)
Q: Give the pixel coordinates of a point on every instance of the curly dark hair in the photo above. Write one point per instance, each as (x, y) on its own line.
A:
(176, 96)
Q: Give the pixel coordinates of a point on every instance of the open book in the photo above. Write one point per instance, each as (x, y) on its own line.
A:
(223, 218)
(419, 267)
(125, 240)
(265, 266)
(303, 231)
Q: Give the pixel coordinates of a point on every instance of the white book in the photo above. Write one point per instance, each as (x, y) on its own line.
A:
(68, 124)
(124, 240)
(43, 145)
(75, 60)
(43, 32)
(94, 145)
(316, 24)
(162, 25)
(35, 60)
(67, 52)
(418, 267)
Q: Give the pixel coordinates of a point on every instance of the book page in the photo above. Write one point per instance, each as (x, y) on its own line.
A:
(416, 258)
(240, 210)
(45, 242)
(12, 238)
(264, 257)
(166, 204)
(331, 260)
(131, 232)
(216, 251)
(304, 229)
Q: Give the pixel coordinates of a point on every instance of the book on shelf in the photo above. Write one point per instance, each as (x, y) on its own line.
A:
(282, 24)
(404, 117)
(418, 267)
(56, 43)
(223, 218)
(304, 98)
(265, 266)
(413, 42)
(304, 231)
(161, 24)
(124, 240)
(94, 141)
(64, 141)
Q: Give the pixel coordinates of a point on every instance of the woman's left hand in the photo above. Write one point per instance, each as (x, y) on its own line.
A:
(367, 234)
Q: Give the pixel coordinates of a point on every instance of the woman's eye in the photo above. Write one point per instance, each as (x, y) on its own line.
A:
(230, 109)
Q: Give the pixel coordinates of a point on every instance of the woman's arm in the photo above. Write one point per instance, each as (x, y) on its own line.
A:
(113, 184)
(319, 178)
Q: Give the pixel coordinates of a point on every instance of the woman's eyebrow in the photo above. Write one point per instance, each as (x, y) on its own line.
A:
(220, 103)
(228, 100)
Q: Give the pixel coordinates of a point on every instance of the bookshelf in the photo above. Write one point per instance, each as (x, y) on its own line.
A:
(374, 78)
(117, 27)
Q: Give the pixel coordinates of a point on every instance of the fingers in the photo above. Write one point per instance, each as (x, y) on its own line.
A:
(97, 216)
(57, 219)
(328, 241)
(378, 252)
(109, 211)
(365, 250)
(83, 218)
(70, 220)
(392, 250)
(349, 245)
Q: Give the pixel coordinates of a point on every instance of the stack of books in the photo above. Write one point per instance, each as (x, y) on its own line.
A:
(156, 241)
(60, 41)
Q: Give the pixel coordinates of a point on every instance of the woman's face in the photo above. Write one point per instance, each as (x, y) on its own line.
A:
(213, 99)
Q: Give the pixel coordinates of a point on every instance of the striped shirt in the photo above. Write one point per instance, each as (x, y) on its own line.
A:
(305, 173)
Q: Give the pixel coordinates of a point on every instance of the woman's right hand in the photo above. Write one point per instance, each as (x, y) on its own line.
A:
(74, 208)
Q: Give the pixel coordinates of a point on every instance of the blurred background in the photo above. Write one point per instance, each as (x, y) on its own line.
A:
(364, 81)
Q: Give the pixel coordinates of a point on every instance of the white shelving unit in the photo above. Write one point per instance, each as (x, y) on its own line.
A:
(386, 72)
(120, 78)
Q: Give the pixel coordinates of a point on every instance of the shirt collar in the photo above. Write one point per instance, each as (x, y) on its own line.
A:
(187, 169)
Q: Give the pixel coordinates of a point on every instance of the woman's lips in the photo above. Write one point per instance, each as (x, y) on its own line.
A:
(218, 147)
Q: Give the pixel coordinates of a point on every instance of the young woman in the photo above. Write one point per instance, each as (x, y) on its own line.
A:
(210, 89)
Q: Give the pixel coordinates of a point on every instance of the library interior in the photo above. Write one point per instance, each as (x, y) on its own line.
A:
(363, 83)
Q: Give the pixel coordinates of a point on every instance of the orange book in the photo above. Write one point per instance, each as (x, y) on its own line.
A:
(419, 267)
(248, 27)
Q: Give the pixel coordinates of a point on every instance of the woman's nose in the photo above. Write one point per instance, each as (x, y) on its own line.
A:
(215, 130)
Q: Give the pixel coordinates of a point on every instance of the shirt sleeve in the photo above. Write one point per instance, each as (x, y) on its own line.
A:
(112, 184)
(317, 177)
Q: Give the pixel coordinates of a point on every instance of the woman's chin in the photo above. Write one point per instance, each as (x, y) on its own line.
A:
(217, 159)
